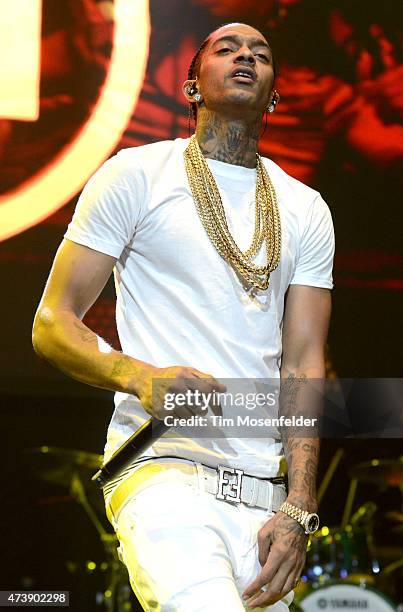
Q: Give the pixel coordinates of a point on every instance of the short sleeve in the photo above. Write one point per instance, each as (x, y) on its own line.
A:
(316, 250)
(109, 208)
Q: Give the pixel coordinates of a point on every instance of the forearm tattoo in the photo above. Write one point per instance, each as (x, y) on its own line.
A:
(302, 453)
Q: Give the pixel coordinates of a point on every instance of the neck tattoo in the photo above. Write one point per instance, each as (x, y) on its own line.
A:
(232, 142)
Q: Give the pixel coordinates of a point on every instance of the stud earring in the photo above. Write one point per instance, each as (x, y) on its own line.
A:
(272, 106)
(198, 97)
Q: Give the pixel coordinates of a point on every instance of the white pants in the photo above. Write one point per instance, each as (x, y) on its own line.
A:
(187, 551)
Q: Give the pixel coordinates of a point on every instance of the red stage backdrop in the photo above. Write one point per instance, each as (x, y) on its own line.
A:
(83, 78)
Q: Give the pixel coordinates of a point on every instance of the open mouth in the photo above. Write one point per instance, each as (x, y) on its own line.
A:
(243, 75)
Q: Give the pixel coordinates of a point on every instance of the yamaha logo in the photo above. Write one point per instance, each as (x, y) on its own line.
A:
(342, 604)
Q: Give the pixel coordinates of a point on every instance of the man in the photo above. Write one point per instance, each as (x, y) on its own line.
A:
(193, 306)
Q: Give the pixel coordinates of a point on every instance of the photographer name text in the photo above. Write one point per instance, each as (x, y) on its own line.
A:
(238, 421)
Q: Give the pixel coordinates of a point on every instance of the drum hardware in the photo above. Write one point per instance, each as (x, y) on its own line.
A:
(340, 554)
(348, 507)
(72, 469)
(337, 457)
(364, 515)
(56, 465)
(396, 516)
(342, 562)
(381, 472)
(395, 520)
(61, 466)
(389, 569)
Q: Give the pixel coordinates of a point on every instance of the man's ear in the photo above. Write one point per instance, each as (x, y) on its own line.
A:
(275, 96)
(189, 89)
(273, 101)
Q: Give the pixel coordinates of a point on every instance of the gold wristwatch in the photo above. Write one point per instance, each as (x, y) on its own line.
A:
(309, 521)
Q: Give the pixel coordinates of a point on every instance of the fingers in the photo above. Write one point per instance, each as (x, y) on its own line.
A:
(279, 573)
(264, 546)
(265, 577)
(212, 382)
(277, 588)
(291, 582)
(209, 388)
(184, 392)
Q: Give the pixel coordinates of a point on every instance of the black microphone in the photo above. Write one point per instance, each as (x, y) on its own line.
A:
(130, 450)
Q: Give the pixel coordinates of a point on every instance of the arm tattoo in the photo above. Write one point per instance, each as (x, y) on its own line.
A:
(122, 367)
(85, 334)
(290, 533)
(301, 453)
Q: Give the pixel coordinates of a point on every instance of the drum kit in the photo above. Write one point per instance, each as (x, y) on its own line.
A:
(344, 569)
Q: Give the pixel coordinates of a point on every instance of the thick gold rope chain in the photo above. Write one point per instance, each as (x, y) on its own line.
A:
(212, 215)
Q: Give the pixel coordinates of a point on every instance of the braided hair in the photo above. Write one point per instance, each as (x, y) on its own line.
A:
(194, 70)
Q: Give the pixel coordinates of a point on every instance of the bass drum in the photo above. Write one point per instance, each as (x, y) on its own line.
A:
(345, 596)
(337, 553)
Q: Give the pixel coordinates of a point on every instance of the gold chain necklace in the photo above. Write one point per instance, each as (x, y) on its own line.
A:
(212, 215)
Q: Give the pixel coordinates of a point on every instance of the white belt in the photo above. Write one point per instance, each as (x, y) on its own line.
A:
(234, 487)
(254, 492)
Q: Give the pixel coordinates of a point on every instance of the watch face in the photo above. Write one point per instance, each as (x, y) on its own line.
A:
(312, 523)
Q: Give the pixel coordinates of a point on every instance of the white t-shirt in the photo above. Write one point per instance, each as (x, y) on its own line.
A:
(178, 301)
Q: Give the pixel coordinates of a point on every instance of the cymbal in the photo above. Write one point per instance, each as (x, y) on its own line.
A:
(394, 516)
(59, 465)
(386, 472)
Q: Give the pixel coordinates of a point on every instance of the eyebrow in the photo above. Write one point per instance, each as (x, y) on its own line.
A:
(255, 42)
